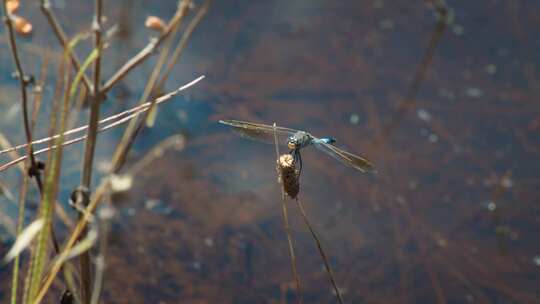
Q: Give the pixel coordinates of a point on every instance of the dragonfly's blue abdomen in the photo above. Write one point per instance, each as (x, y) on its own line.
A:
(328, 140)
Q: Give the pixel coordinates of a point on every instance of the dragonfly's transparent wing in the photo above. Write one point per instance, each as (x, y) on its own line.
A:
(260, 132)
(345, 157)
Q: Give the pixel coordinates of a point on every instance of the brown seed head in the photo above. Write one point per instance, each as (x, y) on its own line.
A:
(155, 23)
(21, 25)
(288, 175)
(12, 6)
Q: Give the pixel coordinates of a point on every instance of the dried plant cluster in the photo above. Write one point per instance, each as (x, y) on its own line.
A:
(79, 82)
(288, 175)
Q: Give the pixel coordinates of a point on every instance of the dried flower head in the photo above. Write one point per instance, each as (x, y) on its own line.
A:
(288, 175)
(121, 183)
(21, 25)
(12, 6)
(155, 23)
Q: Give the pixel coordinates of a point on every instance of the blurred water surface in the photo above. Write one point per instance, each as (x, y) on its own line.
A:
(447, 112)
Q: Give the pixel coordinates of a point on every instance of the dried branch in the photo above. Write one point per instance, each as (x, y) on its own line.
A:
(81, 225)
(148, 50)
(62, 38)
(183, 42)
(24, 98)
(119, 118)
(86, 176)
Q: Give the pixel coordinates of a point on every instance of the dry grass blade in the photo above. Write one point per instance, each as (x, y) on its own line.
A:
(24, 240)
(148, 49)
(321, 251)
(98, 194)
(120, 119)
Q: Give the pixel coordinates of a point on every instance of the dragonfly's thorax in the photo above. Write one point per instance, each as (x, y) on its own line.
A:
(299, 140)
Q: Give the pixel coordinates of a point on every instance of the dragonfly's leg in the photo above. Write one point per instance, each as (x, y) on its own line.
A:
(299, 160)
(295, 153)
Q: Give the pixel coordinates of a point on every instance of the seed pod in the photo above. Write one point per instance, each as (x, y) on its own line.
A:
(21, 25)
(155, 23)
(12, 6)
(288, 175)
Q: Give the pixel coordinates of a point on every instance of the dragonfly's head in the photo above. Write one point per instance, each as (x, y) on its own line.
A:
(292, 145)
(298, 140)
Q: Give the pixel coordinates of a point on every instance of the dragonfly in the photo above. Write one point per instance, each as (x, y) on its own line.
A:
(297, 140)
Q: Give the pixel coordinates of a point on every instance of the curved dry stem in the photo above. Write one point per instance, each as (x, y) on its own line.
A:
(321, 251)
(288, 232)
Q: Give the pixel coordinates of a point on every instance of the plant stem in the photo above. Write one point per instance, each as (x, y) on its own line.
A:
(62, 38)
(83, 222)
(321, 251)
(147, 50)
(86, 177)
(288, 231)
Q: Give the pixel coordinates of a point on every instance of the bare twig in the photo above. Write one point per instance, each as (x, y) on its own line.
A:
(81, 225)
(147, 50)
(321, 251)
(126, 116)
(24, 184)
(86, 176)
(62, 38)
(135, 127)
(23, 83)
(288, 232)
(183, 41)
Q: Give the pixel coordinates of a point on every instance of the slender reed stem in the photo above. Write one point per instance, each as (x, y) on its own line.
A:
(321, 251)
(24, 186)
(133, 128)
(51, 186)
(23, 83)
(147, 50)
(132, 113)
(20, 225)
(183, 42)
(288, 232)
(86, 176)
(62, 38)
(83, 222)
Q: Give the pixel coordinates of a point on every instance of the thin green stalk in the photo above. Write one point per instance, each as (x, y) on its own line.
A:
(52, 176)
(49, 199)
(24, 184)
(83, 222)
(23, 83)
(20, 225)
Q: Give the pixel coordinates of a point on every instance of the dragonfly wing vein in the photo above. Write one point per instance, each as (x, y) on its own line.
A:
(345, 157)
(259, 132)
